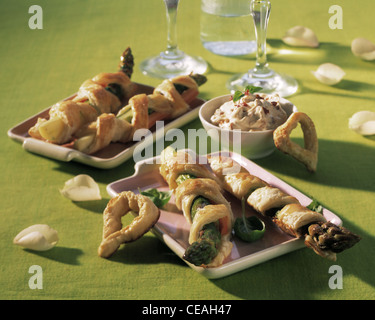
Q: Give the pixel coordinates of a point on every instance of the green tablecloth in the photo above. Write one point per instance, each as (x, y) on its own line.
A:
(82, 38)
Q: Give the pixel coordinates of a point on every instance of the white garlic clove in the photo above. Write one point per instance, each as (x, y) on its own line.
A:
(329, 74)
(363, 122)
(300, 36)
(81, 188)
(38, 237)
(363, 49)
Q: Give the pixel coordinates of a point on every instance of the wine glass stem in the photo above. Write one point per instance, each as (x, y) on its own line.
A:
(260, 11)
(171, 6)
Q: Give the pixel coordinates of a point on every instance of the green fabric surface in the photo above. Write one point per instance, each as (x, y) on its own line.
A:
(80, 39)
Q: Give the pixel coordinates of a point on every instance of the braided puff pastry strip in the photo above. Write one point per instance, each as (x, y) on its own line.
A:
(108, 128)
(113, 233)
(164, 103)
(73, 115)
(91, 100)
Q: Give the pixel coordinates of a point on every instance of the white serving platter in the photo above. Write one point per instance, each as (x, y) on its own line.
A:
(107, 158)
(173, 229)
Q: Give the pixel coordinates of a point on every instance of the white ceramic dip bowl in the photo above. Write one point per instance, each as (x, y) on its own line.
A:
(250, 144)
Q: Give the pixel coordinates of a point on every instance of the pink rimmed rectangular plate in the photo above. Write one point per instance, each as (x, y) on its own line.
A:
(173, 229)
(107, 158)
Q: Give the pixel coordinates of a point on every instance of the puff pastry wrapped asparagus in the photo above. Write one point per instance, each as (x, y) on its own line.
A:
(199, 196)
(168, 101)
(325, 238)
(106, 92)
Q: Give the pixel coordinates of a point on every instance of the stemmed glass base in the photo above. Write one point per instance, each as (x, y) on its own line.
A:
(262, 76)
(172, 62)
(270, 82)
(170, 65)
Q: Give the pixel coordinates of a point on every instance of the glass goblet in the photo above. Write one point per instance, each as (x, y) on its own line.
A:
(172, 62)
(261, 75)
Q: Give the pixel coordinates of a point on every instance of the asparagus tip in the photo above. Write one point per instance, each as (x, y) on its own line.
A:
(127, 62)
(200, 79)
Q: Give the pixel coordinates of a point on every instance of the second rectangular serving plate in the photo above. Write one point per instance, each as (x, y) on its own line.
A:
(173, 229)
(107, 158)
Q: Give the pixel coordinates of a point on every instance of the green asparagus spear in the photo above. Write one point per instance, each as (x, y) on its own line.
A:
(328, 236)
(127, 62)
(126, 66)
(205, 248)
(115, 89)
(183, 177)
(198, 203)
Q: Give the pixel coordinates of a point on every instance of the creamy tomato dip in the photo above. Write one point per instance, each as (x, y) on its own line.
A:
(253, 112)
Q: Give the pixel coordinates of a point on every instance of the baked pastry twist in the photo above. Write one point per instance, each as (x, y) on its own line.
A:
(325, 238)
(105, 93)
(205, 208)
(169, 100)
(113, 233)
(308, 155)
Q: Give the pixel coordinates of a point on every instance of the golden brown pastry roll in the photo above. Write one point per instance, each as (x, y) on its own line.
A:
(158, 103)
(100, 133)
(169, 91)
(187, 191)
(295, 218)
(108, 128)
(73, 116)
(269, 198)
(179, 163)
(235, 179)
(98, 97)
(118, 78)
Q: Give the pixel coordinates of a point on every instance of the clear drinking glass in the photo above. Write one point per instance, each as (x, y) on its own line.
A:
(225, 27)
(172, 62)
(261, 75)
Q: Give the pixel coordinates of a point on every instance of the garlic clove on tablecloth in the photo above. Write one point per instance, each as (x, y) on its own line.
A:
(38, 237)
(363, 122)
(300, 36)
(329, 73)
(363, 49)
(81, 188)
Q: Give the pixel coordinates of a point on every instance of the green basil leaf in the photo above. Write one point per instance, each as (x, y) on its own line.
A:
(159, 198)
(253, 89)
(249, 89)
(237, 96)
